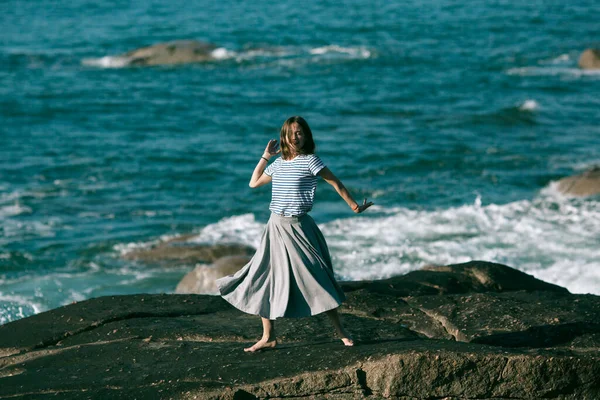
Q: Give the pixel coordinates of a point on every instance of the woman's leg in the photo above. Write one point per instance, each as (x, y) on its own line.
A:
(268, 339)
(335, 319)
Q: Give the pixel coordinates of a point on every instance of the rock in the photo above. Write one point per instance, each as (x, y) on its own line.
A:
(176, 52)
(485, 331)
(473, 276)
(56, 325)
(202, 279)
(514, 319)
(590, 59)
(585, 184)
(179, 251)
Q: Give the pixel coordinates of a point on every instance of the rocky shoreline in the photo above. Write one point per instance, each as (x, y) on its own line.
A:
(467, 331)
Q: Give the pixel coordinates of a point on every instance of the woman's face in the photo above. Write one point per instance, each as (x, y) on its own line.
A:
(296, 137)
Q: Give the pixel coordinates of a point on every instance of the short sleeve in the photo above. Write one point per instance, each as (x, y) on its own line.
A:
(315, 165)
(272, 168)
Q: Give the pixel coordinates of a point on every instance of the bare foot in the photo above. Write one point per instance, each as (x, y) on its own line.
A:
(261, 344)
(347, 339)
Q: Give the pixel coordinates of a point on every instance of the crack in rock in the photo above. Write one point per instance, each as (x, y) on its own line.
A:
(95, 325)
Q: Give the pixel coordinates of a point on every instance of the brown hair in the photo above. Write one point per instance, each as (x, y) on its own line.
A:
(286, 132)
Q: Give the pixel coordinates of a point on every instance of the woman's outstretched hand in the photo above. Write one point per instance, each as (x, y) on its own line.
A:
(272, 148)
(362, 207)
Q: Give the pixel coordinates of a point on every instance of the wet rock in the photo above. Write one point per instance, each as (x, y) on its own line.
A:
(590, 59)
(180, 251)
(175, 52)
(585, 184)
(202, 279)
(485, 331)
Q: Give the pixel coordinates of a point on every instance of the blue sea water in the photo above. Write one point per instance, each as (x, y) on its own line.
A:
(455, 118)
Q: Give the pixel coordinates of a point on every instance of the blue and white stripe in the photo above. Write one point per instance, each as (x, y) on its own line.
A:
(294, 184)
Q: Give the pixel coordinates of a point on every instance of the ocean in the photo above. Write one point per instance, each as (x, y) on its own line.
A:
(455, 118)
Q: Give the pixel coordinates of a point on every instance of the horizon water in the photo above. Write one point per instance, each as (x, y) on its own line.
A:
(455, 119)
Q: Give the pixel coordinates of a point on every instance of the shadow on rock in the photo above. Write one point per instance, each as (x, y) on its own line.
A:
(541, 336)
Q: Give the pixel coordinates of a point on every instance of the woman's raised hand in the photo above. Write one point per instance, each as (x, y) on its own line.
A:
(362, 207)
(272, 148)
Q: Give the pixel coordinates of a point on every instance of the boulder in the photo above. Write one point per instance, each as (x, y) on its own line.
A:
(590, 59)
(202, 279)
(477, 335)
(470, 277)
(175, 252)
(585, 184)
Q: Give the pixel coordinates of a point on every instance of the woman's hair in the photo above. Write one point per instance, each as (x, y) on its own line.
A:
(286, 134)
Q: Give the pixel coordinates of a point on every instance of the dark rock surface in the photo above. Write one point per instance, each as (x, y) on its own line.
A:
(469, 331)
(585, 184)
(589, 59)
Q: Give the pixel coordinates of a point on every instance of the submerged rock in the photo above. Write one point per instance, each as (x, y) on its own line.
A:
(176, 52)
(470, 331)
(585, 184)
(170, 53)
(590, 59)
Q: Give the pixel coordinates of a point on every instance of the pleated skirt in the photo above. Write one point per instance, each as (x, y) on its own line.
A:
(290, 275)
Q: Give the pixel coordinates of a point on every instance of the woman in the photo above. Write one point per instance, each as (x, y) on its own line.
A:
(291, 274)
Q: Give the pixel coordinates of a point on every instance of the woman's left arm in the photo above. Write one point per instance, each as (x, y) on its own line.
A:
(339, 187)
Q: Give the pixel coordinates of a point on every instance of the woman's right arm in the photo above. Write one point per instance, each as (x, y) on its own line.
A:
(259, 178)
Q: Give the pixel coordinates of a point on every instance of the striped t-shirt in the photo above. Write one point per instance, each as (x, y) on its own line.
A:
(294, 184)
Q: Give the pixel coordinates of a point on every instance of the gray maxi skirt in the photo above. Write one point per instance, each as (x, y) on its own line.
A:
(290, 275)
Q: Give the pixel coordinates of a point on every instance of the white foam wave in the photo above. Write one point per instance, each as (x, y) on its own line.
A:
(563, 59)
(75, 296)
(222, 53)
(106, 62)
(358, 52)
(529, 105)
(553, 71)
(552, 237)
(295, 56)
(582, 166)
(151, 213)
(124, 248)
(16, 209)
(578, 275)
(16, 307)
(9, 197)
(278, 54)
(13, 231)
(542, 235)
(242, 229)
